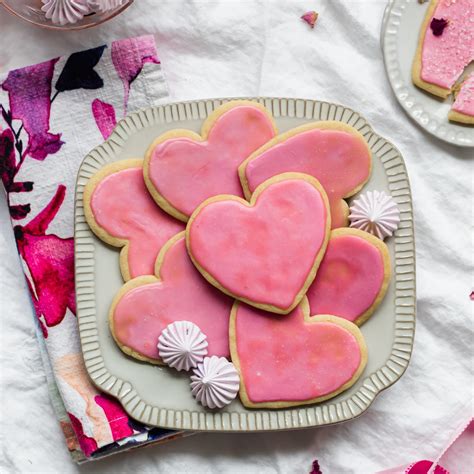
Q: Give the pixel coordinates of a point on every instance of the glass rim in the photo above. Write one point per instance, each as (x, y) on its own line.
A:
(71, 26)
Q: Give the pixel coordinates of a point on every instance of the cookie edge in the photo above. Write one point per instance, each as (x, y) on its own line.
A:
(459, 117)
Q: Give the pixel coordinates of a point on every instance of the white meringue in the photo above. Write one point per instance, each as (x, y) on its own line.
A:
(375, 212)
(62, 12)
(182, 345)
(215, 382)
(106, 5)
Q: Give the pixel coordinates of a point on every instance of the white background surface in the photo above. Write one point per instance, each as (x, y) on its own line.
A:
(230, 48)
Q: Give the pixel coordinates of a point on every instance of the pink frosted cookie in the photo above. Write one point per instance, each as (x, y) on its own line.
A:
(334, 153)
(266, 252)
(145, 306)
(182, 168)
(353, 276)
(463, 107)
(295, 359)
(121, 212)
(445, 46)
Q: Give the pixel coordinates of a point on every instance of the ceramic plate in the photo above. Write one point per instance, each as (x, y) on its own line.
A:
(400, 39)
(384, 21)
(160, 396)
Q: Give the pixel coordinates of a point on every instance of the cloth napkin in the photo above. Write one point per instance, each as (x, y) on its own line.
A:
(52, 114)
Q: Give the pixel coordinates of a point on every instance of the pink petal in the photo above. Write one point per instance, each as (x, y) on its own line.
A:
(104, 115)
(88, 445)
(29, 91)
(116, 416)
(310, 18)
(50, 260)
(129, 56)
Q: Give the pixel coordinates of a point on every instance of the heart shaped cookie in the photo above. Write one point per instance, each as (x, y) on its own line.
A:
(182, 168)
(266, 252)
(334, 153)
(146, 305)
(121, 212)
(353, 276)
(295, 359)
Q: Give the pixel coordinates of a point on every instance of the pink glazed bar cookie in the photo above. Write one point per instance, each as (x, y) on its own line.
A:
(445, 46)
(463, 107)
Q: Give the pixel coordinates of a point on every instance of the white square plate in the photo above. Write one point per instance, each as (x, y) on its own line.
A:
(160, 396)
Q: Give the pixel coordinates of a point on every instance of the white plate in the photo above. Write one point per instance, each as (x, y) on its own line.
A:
(160, 396)
(400, 39)
(384, 21)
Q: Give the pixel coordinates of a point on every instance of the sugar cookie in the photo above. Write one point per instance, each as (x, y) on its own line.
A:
(121, 212)
(463, 108)
(182, 168)
(443, 52)
(334, 153)
(295, 359)
(266, 252)
(353, 276)
(145, 306)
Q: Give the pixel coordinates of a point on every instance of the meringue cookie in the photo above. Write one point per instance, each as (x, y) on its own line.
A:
(106, 5)
(215, 382)
(62, 12)
(182, 345)
(375, 212)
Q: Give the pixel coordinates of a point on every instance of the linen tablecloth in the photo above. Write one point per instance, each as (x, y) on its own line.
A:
(247, 48)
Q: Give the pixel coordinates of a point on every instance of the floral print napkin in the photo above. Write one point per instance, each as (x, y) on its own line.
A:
(52, 114)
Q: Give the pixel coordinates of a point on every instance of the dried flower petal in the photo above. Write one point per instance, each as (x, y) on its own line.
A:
(438, 25)
(310, 18)
(472, 295)
(315, 468)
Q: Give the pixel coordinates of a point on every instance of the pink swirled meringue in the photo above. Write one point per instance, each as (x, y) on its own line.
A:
(375, 212)
(106, 5)
(62, 12)
(182, 345)
(215, 382)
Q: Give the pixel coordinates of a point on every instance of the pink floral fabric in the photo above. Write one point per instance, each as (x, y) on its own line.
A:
(32, 107)
(52, 114)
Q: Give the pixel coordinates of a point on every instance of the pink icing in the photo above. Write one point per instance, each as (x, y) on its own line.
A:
(464, 102)
(186, 172)
(444, 57)
(349, 278)
(339, 160)
(122, 206)
(262, 253)
(290, 359)
(182, 295)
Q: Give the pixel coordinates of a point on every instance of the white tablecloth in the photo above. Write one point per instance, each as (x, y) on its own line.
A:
(229, 48)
